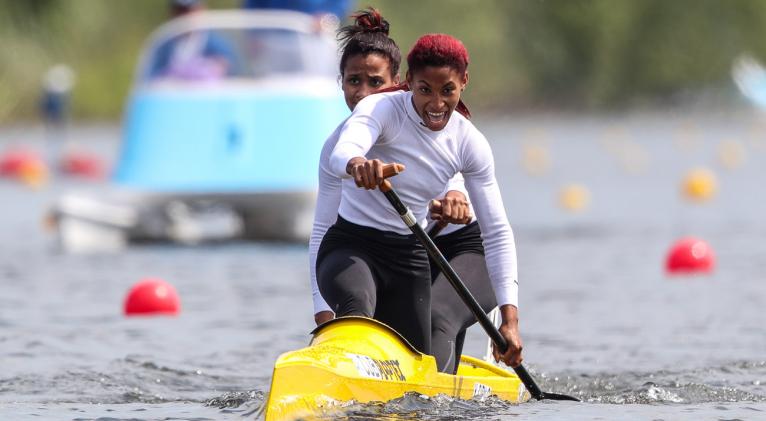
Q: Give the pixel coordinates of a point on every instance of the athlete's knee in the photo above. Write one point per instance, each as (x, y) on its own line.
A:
(442, 319)
(359, 301)
(347, 285)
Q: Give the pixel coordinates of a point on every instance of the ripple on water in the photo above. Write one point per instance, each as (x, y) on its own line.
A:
(736, 382)
(123, 381)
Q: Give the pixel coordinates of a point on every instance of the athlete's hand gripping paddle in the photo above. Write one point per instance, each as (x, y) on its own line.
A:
(409, 219)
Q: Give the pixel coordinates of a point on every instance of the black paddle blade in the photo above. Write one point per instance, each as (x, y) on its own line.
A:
(535, 391)
(557, 397)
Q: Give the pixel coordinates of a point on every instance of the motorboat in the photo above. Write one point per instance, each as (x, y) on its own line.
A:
(221, 134)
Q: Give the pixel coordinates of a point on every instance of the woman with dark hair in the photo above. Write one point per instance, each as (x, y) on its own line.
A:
(368, 264)
(369, 63)
(370, 60)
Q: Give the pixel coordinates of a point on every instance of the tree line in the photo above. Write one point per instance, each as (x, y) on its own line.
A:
(525, 54)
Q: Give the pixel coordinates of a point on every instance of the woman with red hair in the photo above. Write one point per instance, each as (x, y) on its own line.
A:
(368, 264)
(369, 63)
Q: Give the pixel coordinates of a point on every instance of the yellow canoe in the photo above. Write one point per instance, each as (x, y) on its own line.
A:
(360, 359)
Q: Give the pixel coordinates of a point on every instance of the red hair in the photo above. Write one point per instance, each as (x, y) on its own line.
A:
(438, 50)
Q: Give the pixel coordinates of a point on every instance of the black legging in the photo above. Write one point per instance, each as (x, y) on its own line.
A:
(450, 317)
(363, 271)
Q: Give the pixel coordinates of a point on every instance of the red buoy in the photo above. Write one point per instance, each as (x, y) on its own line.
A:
(83, 165)
(152, 296)
(13, 162)
(24, 166)
(690, 255)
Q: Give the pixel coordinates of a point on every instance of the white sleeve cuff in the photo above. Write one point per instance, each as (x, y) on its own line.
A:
(319, 303)
(508, 295)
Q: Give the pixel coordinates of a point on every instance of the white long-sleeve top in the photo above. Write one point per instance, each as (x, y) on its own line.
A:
(386, 126)
(326, 212)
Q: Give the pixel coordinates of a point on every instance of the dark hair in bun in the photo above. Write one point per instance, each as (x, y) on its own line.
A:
(368, 35)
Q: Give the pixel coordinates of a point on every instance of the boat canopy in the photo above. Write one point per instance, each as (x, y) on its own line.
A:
(236, 46)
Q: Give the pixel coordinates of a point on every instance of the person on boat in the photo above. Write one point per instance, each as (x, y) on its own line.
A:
(197, 55)
(418, 128)
(369, 63)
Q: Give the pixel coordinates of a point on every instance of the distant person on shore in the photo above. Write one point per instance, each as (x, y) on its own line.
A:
(196, 55)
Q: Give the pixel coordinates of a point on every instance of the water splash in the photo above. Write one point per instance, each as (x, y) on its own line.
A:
(421, 407)
(244, 403)
(235, 399)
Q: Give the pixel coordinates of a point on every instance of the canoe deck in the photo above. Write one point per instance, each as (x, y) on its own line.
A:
(362, 360)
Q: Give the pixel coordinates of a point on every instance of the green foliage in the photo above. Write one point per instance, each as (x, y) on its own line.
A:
(524, 53)
(596, 53)
(99, 39)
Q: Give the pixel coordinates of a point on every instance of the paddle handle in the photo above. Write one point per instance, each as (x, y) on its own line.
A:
(438, 226)
(390, 170)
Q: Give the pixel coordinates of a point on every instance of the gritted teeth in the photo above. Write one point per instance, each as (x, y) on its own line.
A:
(435, 117)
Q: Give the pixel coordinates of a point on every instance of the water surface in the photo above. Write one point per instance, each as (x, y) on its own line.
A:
(600, 319)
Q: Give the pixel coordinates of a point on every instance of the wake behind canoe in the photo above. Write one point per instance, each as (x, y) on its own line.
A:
(360, 359)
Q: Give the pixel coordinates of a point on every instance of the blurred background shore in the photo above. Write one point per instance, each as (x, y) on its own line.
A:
(525, 55)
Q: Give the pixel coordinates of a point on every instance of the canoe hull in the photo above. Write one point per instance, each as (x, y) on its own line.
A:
(362, 360)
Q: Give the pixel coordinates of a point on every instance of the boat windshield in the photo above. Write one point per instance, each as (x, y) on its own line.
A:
(239, 49)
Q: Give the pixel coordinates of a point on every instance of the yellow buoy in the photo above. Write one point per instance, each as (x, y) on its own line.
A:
(731, 154)
(536, 160)
(699, 185)
(574, 197)
(535, 155)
